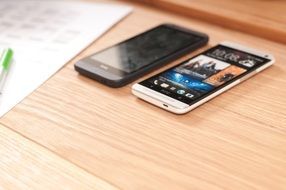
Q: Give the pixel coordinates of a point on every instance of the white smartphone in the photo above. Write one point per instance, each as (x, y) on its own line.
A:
(199, 79)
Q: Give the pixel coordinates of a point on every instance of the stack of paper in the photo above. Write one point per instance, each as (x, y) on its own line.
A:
(45, 36)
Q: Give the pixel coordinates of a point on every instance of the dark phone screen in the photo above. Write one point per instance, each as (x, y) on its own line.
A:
(145, 48)
(204, 74)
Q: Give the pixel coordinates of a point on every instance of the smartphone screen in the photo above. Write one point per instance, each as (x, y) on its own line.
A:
(204, 74)
(144, 49)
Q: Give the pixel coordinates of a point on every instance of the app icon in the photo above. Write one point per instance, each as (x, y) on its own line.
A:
(189, 95)
(173, 88)
(181, 92)
(164, 85)
(247, 62)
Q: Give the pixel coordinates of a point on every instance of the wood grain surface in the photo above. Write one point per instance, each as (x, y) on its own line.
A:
(235, 141)
(262, 18)
(26, 165)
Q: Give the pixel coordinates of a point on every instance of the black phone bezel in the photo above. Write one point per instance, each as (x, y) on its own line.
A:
(117, 78)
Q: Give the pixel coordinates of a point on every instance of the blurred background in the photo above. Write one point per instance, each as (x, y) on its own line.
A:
(263, 18)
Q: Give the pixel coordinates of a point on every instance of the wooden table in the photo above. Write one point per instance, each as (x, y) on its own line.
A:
(74, 133)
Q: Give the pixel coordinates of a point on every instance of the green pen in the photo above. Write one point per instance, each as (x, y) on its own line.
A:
(5, 61)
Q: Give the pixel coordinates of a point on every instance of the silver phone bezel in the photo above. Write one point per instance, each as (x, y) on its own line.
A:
(175, 106)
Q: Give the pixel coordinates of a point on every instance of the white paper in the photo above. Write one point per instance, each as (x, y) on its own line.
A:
(45, 36)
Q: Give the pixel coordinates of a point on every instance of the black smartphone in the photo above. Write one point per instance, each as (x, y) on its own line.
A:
(122, 63)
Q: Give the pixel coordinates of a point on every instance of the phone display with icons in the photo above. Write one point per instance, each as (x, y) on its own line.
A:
(197, 80)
